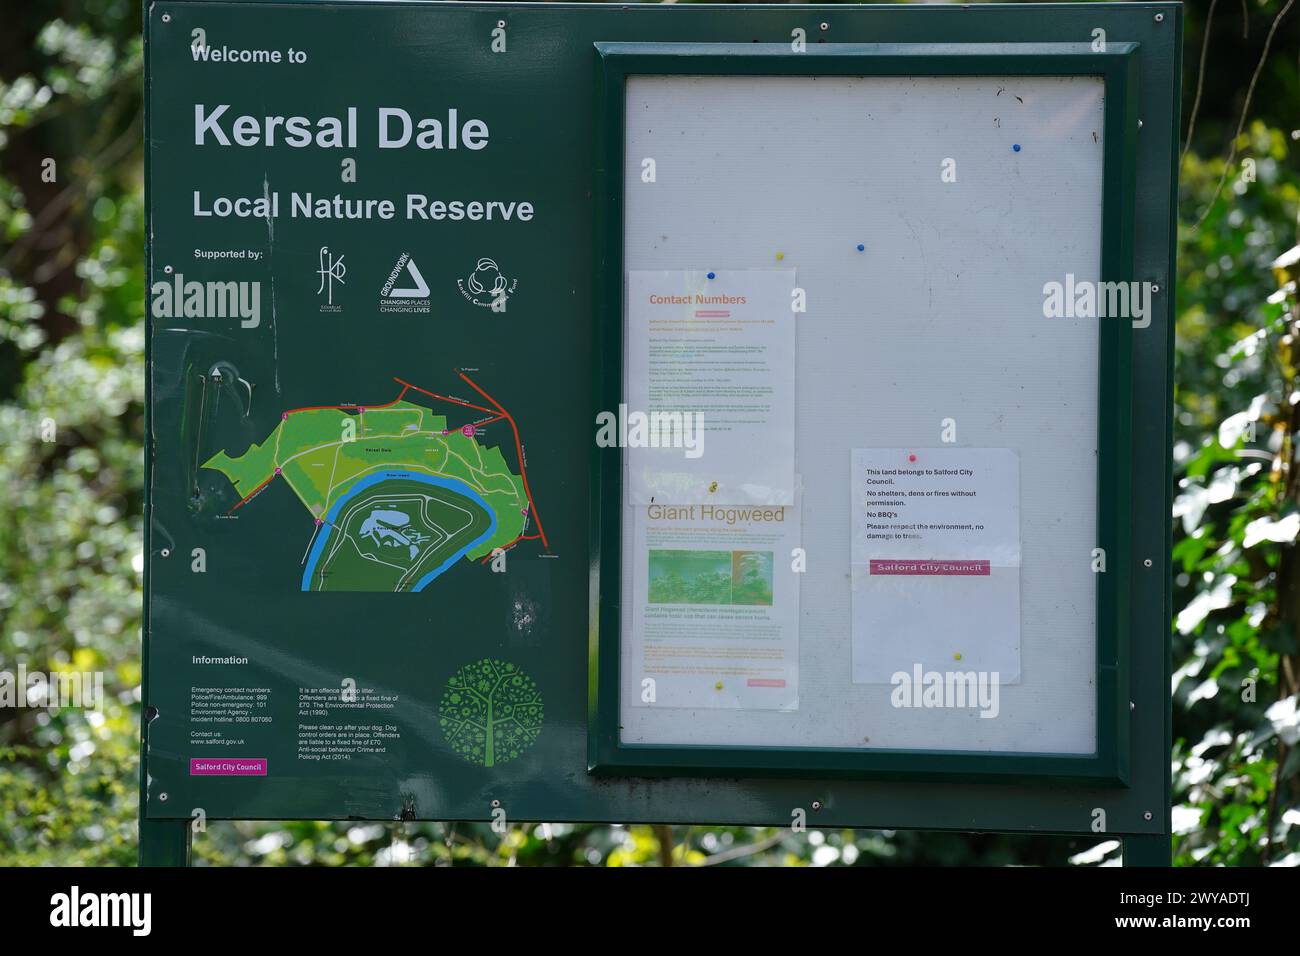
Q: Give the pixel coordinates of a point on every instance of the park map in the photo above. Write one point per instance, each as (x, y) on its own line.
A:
(397, 496)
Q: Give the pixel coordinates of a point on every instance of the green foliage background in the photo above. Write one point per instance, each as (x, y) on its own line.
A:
(71, 354)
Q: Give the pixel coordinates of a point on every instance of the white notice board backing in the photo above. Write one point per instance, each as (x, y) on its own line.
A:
(922, 217)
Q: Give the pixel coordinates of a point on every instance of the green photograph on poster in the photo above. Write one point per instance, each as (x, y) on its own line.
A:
(710, 577)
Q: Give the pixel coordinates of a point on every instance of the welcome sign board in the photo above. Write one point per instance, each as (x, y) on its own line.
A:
(634, 413)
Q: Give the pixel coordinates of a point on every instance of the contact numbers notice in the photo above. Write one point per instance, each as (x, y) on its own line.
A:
(230, 705)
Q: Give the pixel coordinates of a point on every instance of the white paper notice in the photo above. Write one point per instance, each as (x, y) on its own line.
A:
(715, 609)
(710, 361)
(936, 562)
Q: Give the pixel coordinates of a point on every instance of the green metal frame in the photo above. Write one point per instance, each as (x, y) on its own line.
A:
(1117, 67)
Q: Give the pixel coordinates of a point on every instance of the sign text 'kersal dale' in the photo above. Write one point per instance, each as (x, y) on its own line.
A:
(395, 128)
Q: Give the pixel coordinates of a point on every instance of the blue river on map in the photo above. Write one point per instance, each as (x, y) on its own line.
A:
(369, 482)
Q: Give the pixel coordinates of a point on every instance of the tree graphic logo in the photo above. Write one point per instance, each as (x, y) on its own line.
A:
(491, 712)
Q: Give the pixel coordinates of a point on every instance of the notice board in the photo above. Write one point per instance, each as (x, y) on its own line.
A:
(415, 270)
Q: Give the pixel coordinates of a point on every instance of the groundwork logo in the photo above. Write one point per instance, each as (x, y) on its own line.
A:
(634, 429)
(405, 289)
(74, 908)
(946, 689)
(487, 286)
(53, 691)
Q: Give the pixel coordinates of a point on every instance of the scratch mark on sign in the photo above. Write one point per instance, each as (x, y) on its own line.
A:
(270, 251)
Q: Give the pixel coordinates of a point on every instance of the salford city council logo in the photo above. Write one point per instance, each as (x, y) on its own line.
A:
(487, 286)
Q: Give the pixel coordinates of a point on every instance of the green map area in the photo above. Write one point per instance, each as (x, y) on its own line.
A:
(397, 497)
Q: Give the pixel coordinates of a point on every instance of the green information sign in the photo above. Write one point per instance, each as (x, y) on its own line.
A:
(417, 268)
